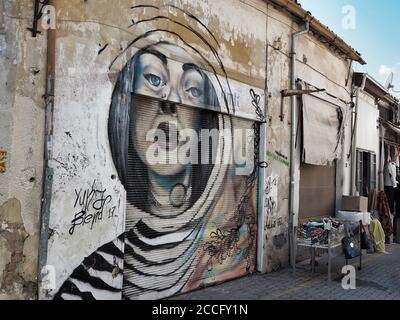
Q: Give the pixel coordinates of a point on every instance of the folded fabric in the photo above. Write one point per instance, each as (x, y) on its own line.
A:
(378, 234)
(385, 215)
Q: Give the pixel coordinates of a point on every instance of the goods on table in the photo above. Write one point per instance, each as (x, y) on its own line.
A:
(316, 232)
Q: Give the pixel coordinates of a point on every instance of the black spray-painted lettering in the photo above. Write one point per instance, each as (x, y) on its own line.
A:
(90, 205)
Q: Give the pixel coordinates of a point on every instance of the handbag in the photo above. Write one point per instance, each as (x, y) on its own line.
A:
(349, 246)
(366, 240)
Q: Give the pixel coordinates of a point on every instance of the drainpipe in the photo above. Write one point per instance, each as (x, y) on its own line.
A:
(382, 131)
(48, 150)
(261, 236)
(354, 147)
(354, 139)
(261, 197)
(292, 223)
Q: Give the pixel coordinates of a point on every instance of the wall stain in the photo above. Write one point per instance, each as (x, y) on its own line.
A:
(13, 231)
(3, 158)
(280, 240)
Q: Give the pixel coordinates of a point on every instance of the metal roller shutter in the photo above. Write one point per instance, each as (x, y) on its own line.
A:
(192, 224)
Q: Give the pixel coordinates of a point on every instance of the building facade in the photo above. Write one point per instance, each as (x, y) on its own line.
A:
(151, 149)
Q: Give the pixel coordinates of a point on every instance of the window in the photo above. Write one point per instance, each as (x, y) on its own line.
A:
(387, 114)
(365, 173)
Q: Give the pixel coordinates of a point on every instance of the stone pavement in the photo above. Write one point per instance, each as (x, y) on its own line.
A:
(379, 279)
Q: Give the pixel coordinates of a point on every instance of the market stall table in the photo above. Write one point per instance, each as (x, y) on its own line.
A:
(308, 243)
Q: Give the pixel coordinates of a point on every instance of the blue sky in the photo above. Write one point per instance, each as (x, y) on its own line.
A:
(376, 34)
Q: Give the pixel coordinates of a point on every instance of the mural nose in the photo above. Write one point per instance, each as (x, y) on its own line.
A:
(168, 108)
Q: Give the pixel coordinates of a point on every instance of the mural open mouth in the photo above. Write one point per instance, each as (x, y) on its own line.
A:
(169, 140)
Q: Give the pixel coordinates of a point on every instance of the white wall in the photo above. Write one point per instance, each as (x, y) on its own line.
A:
(367, 124)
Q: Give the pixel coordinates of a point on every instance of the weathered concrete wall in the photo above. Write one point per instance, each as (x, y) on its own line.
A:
(320, 67)
(22, 85)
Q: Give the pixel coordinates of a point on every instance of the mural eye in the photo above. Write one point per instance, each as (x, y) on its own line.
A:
(154, 80)
(195, 92)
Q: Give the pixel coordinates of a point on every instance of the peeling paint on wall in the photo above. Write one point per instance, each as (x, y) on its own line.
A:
(280, 240)
(13, 235)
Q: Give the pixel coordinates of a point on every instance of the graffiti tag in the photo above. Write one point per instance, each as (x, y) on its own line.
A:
(91, 206)
(274, 222)
(271, 194)
(256, 98)
(278, 157)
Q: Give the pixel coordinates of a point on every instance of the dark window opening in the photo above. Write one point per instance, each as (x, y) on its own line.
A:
(387, 114)
(365, 173)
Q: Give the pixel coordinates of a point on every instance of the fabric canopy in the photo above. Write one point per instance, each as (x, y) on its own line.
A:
(323, 124)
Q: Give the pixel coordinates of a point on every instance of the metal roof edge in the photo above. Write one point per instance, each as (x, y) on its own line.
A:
(376, 85)
(319, 28)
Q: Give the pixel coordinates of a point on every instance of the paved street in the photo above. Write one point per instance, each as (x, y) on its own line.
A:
(379, 279)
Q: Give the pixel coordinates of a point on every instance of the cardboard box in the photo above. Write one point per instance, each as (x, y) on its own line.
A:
(359, 204)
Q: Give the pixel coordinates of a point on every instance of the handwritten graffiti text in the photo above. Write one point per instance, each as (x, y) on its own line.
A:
(91, 205)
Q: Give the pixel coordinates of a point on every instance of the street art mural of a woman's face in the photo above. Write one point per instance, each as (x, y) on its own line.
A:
(174, 84)
(186, 223)
(169, 202)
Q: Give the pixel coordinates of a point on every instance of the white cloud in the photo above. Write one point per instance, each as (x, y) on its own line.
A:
(385, 70)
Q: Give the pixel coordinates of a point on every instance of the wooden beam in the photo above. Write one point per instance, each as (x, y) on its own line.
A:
(290, 92)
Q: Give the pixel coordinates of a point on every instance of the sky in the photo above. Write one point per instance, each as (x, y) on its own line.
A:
(372, 27)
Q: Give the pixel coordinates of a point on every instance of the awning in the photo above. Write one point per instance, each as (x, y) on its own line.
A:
(392, 126)
(323, 126)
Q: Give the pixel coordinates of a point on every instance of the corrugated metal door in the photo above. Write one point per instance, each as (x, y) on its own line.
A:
(190, 218)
